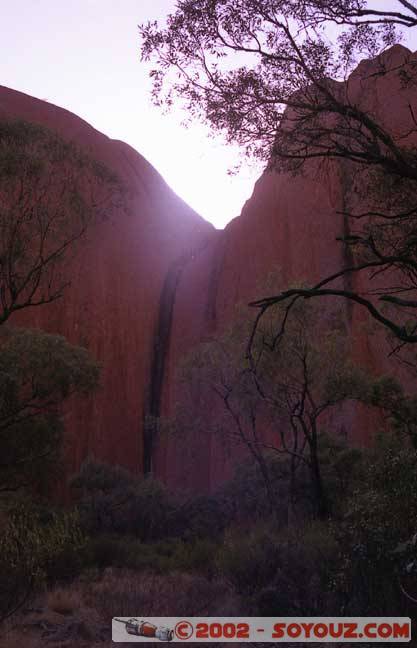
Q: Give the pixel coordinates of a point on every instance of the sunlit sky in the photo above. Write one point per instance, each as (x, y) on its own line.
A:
(83, 55)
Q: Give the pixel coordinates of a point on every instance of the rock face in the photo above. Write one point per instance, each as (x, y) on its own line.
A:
(115, 304)
(290, 224)
(151, 283)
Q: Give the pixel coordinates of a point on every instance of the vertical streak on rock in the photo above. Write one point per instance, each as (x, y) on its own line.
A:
(160, 350)
(216, 266)
(347, 254)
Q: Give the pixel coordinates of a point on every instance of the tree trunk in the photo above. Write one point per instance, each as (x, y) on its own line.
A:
(321, 508)
(266, 479)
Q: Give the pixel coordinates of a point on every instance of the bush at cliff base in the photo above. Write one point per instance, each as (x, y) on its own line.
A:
(34, 544)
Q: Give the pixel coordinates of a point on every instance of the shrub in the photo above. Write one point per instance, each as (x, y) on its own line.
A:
(380, 518)
(112, 500)
(160, 557)
(153, 510)
(124, 592)
(249, 561)
(108, 551)
(204, 516)
(32, 542)
(274, 567)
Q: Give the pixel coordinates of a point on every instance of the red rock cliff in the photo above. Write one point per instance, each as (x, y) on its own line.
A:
(151, 283)
(118, 294)
(291, 224)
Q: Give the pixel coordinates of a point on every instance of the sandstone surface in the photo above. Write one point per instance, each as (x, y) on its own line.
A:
(113, 303)
(156, 279)
(290, 226)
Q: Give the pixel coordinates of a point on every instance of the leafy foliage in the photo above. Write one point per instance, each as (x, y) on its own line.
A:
(278, 400)
(380, 518)
(32, 542)
(113, 500)
(38, 372)
(159, 557)
(400, 407)
(267, 75)
(238, 63)
(272, 567)
(51, 193)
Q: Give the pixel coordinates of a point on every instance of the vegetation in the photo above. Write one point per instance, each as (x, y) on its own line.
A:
(359, 560)
(304, 506)
(35, 543)
(281, 400)
(267, 76)
(38, 372)
(51, 194)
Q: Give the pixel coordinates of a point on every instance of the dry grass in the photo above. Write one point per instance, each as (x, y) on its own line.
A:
(17, 642)
(128, 593)
(64, 601)
(80, 614)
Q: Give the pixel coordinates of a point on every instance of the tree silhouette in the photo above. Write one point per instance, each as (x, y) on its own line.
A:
(268, 76)
(51, 193)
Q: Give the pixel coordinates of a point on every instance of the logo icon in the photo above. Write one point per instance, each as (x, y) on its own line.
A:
(146, 629)
(184, 630)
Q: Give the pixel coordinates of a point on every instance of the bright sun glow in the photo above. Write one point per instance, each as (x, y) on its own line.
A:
(84, 56)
